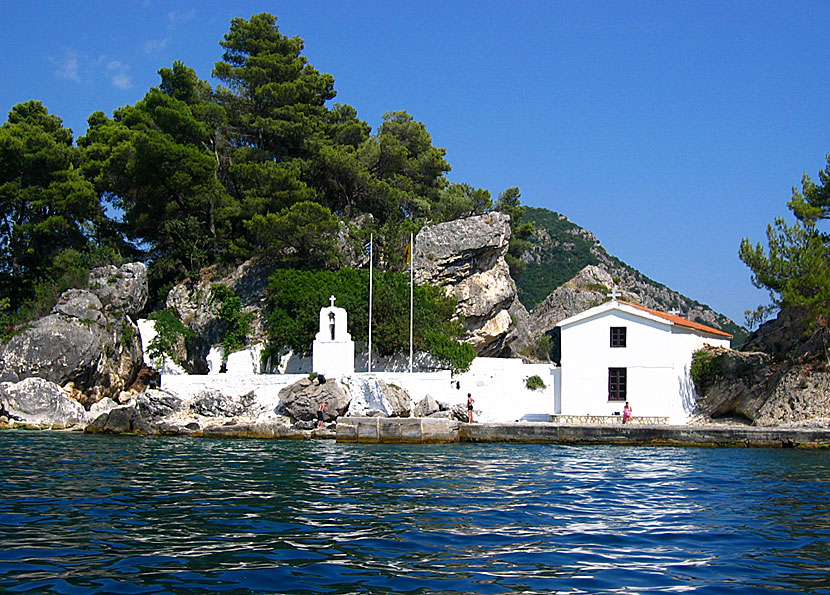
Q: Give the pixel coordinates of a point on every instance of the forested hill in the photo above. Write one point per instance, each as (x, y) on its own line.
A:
(560, 249)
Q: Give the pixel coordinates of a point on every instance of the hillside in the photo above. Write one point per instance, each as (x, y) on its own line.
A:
(560, 249)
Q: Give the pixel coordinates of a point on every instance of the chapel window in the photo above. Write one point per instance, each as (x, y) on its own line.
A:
(617, 384)
(618, 336)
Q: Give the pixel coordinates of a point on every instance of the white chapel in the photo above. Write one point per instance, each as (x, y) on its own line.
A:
(619, 351)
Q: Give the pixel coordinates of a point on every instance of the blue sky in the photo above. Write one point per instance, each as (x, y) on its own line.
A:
(671, 130)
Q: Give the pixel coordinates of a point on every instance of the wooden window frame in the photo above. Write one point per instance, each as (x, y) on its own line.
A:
(618, 336)
(617, 384)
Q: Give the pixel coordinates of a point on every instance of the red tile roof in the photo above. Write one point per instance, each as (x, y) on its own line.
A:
(679, 320)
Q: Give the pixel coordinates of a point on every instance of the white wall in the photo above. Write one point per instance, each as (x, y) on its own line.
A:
(587, 355)
(657, 358)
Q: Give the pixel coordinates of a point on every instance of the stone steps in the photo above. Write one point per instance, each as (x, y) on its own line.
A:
(608, 420)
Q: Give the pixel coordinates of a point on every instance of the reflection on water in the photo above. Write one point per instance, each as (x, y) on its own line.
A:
(91, 514)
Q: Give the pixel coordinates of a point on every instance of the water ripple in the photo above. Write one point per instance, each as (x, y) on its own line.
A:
(90, 514)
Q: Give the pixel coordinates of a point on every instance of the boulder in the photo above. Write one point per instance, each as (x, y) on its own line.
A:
(155, 404)
(425, 407)
(121, 289)
(38, 403)
(466, 257)
(82, 341)
(122, 420)
(212, 403)
(302, 399)
(398, 399)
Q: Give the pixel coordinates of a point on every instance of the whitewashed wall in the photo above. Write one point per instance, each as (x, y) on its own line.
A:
(657, 357)
(587, 355)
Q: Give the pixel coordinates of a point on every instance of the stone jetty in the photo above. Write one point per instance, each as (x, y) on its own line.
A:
(427, 430)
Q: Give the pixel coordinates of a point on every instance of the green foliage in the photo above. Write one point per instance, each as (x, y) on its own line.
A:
(535, 383)
(46, 206)
(795, 268)
(300, 236)
(237, 323)
(508, 202)
(540, 349)
(461, 200)
(705, 371)
(451, 353)
(295, 298)
(567, 253)
(170, 333)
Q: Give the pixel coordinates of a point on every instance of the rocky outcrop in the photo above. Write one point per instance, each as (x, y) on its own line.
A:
(88, 340)
(788, 384)
(121, 289)
(466, 257)
(191, 300)
(38, 403)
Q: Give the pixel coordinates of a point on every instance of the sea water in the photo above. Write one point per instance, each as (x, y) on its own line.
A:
(101, 514)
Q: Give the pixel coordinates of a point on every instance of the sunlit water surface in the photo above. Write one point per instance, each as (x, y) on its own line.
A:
(91, 514)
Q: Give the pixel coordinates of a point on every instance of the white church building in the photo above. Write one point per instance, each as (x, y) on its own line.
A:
(621, 352)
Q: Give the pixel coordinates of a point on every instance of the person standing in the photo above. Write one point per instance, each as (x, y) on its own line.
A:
(320, 414)
(470, 402)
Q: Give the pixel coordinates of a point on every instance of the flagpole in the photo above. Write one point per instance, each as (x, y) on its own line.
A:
(371, 250)
(411, 297)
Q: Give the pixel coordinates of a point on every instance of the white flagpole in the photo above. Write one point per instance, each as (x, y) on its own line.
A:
(411, 297)
(371, 251)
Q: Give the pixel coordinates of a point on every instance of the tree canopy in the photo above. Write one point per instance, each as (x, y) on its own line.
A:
(795, 267)
(191, 175)
(46, 205)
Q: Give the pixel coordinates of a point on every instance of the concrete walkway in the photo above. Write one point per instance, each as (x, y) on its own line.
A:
(429, 430)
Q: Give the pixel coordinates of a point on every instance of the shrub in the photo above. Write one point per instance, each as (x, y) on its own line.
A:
(535, 382)
(706, 369)
(229, 310)
(170, 333)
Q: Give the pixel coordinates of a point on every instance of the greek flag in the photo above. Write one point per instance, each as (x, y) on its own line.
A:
(367, 247)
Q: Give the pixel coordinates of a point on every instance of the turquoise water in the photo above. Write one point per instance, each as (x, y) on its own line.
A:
(96, 514)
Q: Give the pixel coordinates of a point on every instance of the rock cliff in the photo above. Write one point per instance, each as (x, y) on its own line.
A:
(781, 377)
(466, 257)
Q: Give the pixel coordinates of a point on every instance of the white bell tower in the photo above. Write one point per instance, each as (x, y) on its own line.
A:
(333, 349)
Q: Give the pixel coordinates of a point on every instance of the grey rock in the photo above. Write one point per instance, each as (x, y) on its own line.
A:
(123, 420)
(155, 404)
(302, 399)
(459, 412)
(425, 407)
(191, 300)
(79, 342)
(121, 289)
(398, 399)
(212, 403)
(39, 403)
(466, 256)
